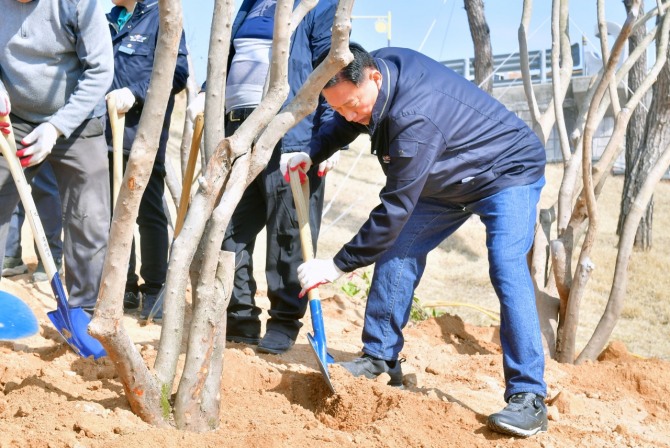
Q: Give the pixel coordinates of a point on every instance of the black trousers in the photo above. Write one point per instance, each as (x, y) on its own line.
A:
(268, 202)
(153, 229)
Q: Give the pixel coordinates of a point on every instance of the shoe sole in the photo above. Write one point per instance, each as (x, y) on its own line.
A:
(273, 351)
(504, 428)
(18, 270)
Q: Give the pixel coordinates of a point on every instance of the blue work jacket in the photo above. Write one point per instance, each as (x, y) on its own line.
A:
(439, 138)
(311, 38)
(134, 48)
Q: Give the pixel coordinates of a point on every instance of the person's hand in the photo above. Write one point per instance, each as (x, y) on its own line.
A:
(5, 105)
(38, 144)
(295, 161)
(195, 107)
(328, 164)
(124, 99)
(317, 272)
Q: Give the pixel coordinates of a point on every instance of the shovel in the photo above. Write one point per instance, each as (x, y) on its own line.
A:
(71, 323)
(117, 122)
(318, 341)
(185, 197)
(16, 318)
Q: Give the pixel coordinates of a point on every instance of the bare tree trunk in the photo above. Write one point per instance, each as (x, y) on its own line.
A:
(655, 137)
(233, 164)
(147, 399)
(637, 209)
(481, 38)
(567, 329)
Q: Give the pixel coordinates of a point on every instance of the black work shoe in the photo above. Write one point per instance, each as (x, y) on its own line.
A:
(148, 302)
(131, 301)
(250, 340)
(371, 367)
(524, 415)
(275, 342)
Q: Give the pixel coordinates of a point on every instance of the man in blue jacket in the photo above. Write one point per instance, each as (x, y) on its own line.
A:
(268, 201)
(134, 28)
(449, 151)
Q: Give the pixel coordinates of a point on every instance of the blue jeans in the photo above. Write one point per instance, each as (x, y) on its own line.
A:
(47, 200)
(509, 217)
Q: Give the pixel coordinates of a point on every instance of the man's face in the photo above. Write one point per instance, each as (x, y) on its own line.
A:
(354, 102)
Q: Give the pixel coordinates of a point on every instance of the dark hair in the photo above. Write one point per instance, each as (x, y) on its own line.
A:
(354, 71)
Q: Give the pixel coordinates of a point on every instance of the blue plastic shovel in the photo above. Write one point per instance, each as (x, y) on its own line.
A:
(16, 318)
(318, 341)
(71, 323)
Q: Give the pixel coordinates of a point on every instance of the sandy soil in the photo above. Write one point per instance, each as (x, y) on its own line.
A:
(453, 376)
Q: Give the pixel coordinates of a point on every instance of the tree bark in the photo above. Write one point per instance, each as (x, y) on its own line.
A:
(147, 399)
(567, 329)
(481, 38)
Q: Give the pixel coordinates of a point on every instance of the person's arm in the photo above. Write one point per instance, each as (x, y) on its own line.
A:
(94, 48)
(414, 147)
(332, 135)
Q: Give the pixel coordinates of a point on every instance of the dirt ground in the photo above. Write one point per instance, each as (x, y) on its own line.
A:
(453, 375)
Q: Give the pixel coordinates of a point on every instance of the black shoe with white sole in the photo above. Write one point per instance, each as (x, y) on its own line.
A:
(371, 367)
(524, 416)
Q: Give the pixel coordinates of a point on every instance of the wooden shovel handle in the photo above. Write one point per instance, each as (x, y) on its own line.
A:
(301, 198)
(117, 122)
(185, 198)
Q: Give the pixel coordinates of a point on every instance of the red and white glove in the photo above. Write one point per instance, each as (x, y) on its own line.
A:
(328, 164)
(124, 99)
(195, 107)
(295, 161)
(317, 272)
(5, 109)
(38, 144)
(5, 105)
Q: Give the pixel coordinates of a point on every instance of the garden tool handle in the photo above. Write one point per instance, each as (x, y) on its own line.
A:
(301, 198)
(185, 198)
(117, 122)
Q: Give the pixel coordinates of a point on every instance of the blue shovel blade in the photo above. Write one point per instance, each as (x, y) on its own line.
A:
(75, 332)
(321, 355)
(72, 324)
(16, 318)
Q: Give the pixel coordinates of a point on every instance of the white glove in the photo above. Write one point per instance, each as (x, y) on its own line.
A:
(295, 161)
(328, 164)
(124, 99)
(317, 272)
(38, 144)
(5, 105)
(195, 107)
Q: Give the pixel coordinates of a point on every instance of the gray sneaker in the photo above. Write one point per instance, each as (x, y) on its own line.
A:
(370, 367)
(40, 274)
(12, 266)
(524, 416)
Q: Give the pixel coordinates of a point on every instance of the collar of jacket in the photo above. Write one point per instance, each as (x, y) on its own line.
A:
(140, 8)
(386, 92)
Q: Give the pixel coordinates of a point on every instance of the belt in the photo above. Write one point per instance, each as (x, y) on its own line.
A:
(240, 114)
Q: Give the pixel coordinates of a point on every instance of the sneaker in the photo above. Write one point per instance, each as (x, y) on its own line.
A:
(275, 342)
(40, 274)
(148, 302)
(12, 266)
(371, 367)
(524, 415)
(131, 301)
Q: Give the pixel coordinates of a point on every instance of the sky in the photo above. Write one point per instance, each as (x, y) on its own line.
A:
(437, 28)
